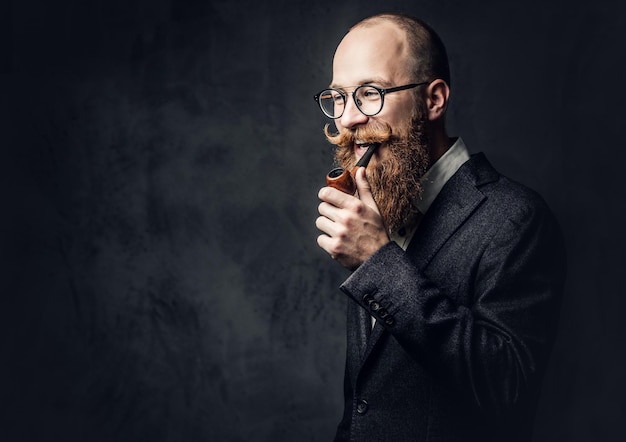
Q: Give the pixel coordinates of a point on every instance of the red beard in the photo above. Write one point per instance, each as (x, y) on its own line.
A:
(394, 177)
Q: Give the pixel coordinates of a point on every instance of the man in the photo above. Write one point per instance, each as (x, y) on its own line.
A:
(457, 271)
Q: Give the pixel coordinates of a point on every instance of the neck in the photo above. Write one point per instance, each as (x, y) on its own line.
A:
(440, 142)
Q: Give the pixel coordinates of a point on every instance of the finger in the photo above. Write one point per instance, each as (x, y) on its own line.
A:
(364, 189)
(326, 243)
(328, 210)
(326, 226)
(333, 196)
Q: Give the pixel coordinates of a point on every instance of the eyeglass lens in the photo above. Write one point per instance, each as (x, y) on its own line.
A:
(367, 99)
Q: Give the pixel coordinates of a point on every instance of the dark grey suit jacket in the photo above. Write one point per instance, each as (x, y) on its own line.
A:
(466, 318)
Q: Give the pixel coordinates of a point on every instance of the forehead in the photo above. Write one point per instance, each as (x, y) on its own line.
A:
(373, 53)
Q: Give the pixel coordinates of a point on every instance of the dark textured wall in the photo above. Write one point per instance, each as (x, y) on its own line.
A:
(160, 165)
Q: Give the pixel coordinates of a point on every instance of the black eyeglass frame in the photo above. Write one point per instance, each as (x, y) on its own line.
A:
(381, 91)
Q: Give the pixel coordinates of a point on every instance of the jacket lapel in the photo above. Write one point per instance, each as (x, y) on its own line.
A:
(454, 204)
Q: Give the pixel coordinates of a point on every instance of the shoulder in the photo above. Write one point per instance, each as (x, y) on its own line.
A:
(502, 195)
(511, 217)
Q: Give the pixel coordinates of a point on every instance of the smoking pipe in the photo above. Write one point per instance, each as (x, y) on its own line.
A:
(343, 179)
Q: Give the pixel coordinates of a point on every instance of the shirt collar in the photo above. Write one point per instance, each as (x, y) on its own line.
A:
(440, 172)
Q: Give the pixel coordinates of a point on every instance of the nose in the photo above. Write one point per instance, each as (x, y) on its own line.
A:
(352, 116)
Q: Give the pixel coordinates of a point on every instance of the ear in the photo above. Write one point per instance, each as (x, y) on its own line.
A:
(437, 95)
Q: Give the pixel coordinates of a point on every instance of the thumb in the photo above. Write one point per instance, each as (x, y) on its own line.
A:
(364, 189)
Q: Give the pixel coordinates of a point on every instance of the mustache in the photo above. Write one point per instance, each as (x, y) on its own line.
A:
(378, 132)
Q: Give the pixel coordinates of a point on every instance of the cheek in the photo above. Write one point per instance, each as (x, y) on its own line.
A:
(405, 108)
(397, 117)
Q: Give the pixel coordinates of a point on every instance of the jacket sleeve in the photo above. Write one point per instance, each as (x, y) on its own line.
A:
(494, 345)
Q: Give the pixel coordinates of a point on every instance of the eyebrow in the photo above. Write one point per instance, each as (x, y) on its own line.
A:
(373, 80)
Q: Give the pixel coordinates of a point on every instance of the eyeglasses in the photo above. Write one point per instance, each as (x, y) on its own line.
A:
(368, 99)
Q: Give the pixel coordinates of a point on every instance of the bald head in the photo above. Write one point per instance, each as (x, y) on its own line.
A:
(377, 53)
(424, 54)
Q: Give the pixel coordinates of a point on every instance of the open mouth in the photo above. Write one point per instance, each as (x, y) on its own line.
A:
(361, 147)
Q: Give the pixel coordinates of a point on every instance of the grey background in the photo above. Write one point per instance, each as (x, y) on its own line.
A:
(160, 165)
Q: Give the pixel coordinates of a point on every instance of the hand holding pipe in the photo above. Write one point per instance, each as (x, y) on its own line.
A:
(345, 180)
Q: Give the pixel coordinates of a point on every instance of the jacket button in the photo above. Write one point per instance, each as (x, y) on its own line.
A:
(389, 320)
(367, 298)
(361, 406)
(374, 305)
